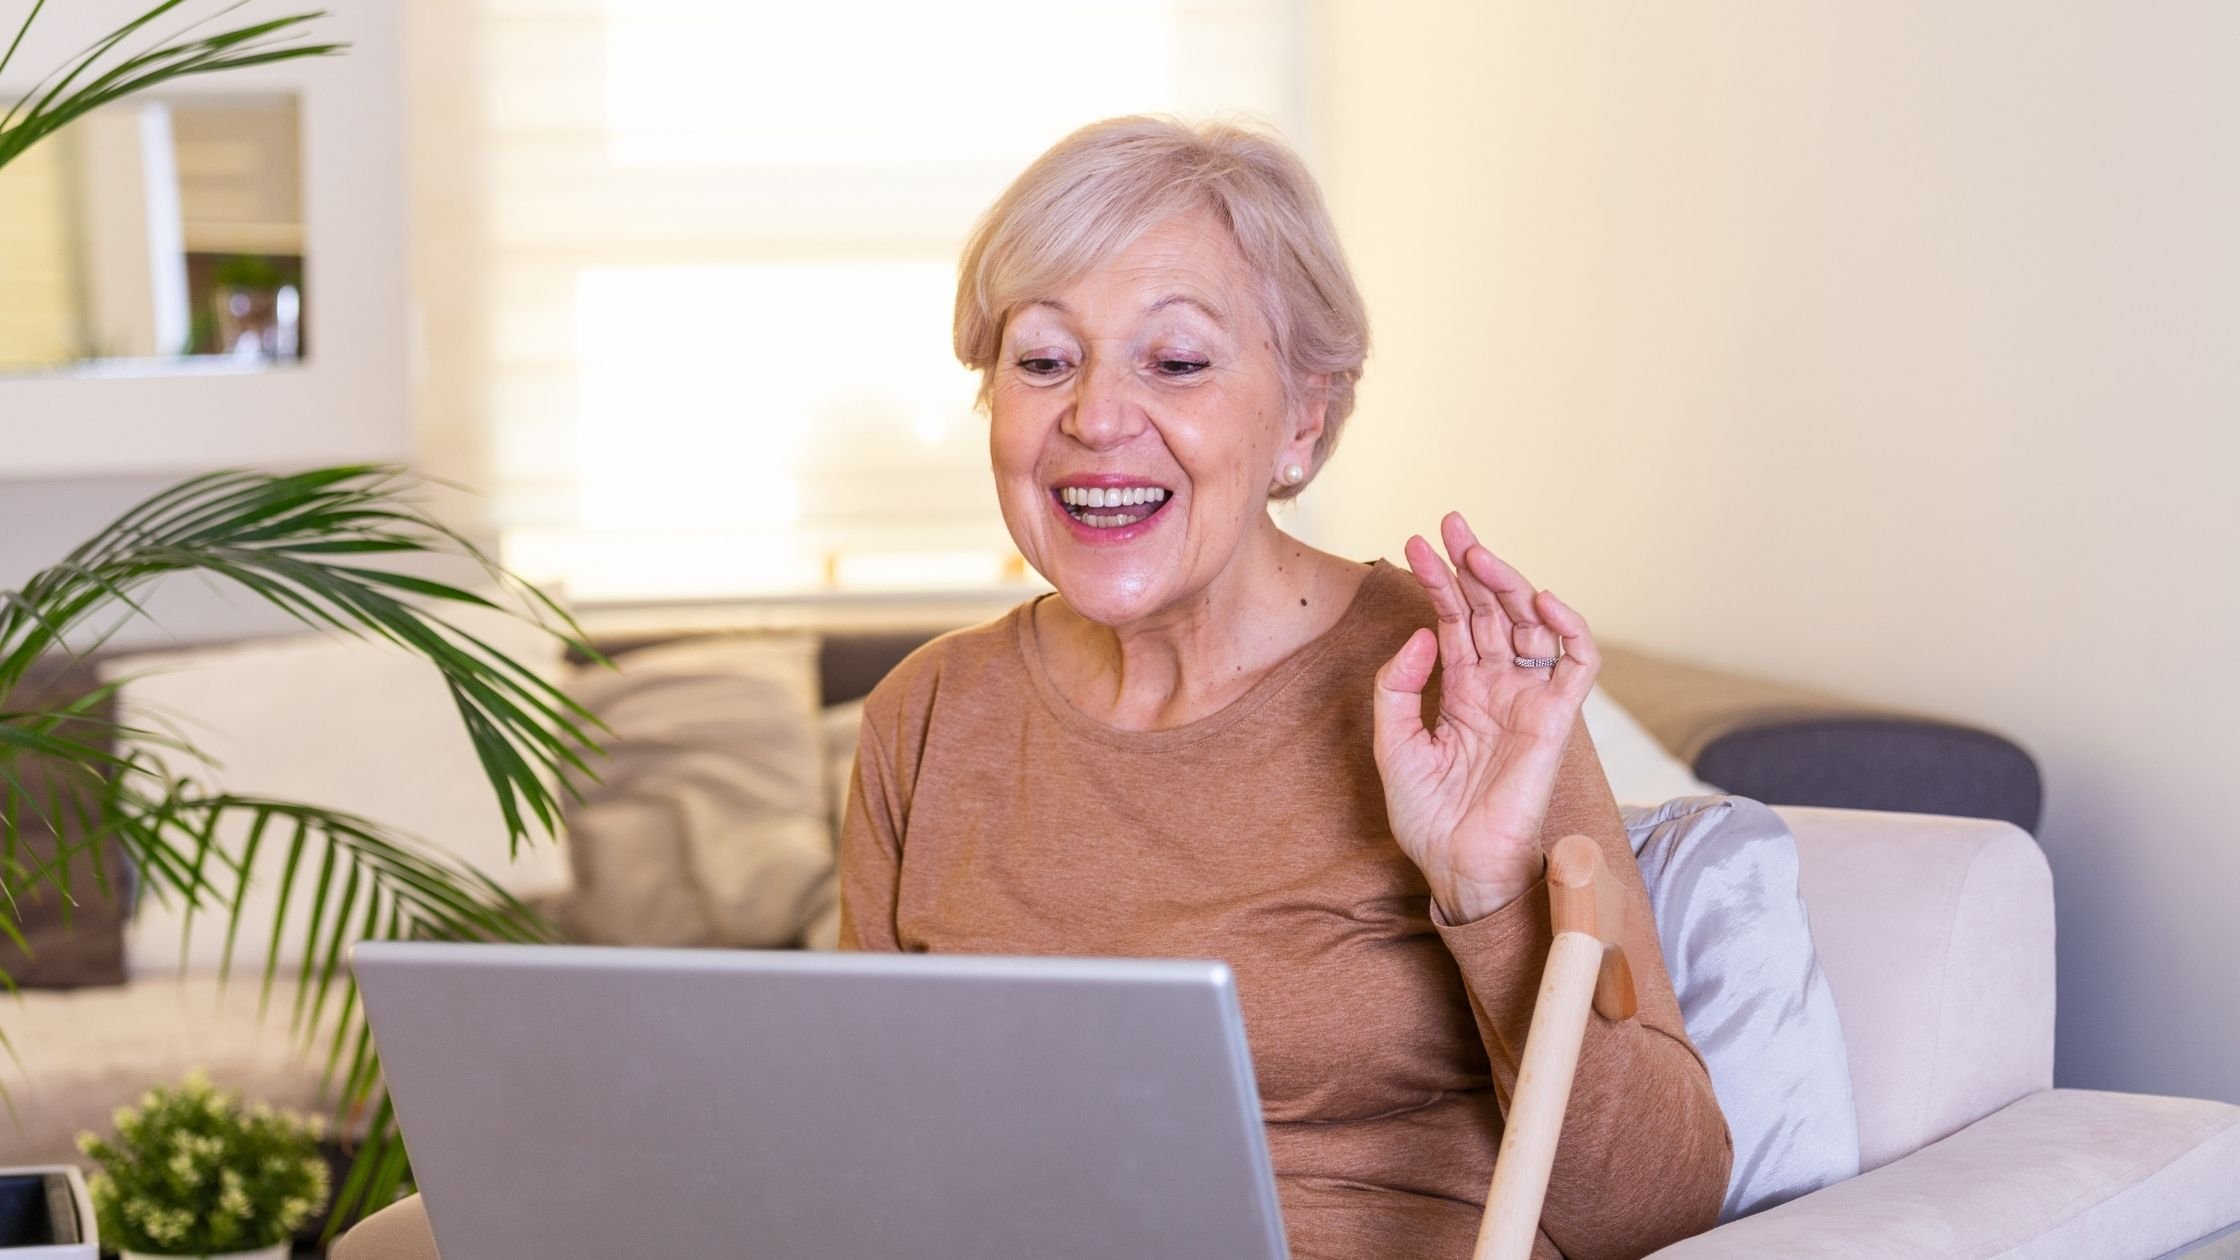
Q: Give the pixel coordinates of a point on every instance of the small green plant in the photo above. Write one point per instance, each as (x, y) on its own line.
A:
(193, 1172)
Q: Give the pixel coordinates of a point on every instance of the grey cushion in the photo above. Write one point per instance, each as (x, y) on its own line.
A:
(1790, 745)
(1898, 764)
(1722, 878)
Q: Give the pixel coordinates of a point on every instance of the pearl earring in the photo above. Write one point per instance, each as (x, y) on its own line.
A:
(1293, 474)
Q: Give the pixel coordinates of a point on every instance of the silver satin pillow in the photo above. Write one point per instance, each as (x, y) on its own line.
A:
(1722, 878)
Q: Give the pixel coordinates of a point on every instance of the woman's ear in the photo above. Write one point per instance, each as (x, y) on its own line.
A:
(1309, 418)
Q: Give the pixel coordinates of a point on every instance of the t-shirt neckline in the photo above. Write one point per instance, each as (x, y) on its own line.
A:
(1276, 681)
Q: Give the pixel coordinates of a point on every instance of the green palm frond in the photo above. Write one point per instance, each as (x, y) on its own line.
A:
(280, 537)
(311, 544)
(319, 545)
(100, 74)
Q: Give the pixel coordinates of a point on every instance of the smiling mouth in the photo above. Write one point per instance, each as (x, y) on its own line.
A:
(1115, 508)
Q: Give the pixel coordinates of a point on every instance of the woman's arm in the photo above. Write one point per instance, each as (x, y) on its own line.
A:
(1645, 1151)
(870, 848)
(1475, 797)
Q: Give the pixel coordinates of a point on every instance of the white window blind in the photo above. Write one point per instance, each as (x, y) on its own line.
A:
(722, 245)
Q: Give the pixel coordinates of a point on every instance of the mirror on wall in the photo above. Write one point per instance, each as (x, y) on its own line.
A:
(157, 235)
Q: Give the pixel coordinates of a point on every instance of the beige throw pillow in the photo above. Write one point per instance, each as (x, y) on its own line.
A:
(841, 724)
(1641, 770)
(357, 725)
(708, 825)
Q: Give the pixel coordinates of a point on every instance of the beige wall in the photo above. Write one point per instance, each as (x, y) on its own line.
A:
(448, 258)
(1889, 347)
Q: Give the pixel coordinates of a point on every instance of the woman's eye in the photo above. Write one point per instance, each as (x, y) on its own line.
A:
(1182, 367)
(1037, 366)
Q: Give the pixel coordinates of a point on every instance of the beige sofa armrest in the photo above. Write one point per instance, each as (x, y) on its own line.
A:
(1936, 936)
(2061, 1173)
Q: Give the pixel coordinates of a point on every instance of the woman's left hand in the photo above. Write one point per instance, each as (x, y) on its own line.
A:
(1467, 795)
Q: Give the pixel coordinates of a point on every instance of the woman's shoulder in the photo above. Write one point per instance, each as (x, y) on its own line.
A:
(974, 665)
(1388, 608)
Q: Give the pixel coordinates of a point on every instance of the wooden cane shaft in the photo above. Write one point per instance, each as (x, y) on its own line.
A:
(1535, 1119)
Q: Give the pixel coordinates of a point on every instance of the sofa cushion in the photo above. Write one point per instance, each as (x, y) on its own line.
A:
(1722, 878)
(357, 725)
(1901, 764)
(72, 945)
(75, 942)
(1789, 745)
(1641, 770)
(708, 824)
(2062, 1173)
(841, 725)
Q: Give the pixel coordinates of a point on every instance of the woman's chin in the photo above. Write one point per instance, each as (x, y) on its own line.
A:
(1110, 595)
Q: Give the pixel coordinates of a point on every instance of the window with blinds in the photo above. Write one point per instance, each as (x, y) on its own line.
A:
(722, 245)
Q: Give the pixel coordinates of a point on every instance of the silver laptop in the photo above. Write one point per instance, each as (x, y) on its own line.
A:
(579, 1103)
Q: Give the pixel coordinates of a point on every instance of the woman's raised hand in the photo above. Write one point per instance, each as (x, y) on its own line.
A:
(1467, 795)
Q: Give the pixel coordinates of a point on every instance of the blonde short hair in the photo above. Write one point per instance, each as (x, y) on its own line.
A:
(1097, 190)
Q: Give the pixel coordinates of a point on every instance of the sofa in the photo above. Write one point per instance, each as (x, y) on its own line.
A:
(87, 1050)
(1936, 937)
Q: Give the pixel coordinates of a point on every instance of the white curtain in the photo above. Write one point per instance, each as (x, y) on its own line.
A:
(722, 236)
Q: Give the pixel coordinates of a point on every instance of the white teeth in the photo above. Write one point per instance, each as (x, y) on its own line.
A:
(1099, 497)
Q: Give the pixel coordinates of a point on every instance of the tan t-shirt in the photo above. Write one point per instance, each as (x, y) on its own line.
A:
(989, 816)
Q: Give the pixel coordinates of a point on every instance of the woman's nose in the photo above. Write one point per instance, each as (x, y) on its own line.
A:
(1105, 412)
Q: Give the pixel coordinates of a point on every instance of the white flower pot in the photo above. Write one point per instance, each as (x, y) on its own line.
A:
(277, 1251)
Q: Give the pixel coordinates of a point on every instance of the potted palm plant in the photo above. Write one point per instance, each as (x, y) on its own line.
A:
(326, 546)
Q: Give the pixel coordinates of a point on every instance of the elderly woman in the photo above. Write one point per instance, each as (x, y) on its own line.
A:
(1216, 741)
(1212, 740)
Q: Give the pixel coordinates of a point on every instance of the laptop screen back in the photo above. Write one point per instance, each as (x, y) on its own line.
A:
(580, 1103)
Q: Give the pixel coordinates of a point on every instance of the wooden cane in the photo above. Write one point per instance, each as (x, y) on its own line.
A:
(1586, 964)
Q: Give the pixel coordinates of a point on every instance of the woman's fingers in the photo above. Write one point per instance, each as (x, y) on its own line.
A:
(1574, 675)
(1490, 628)
(1488, 612)
(1529, 636)
(1398, 715)
(1455, 646)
